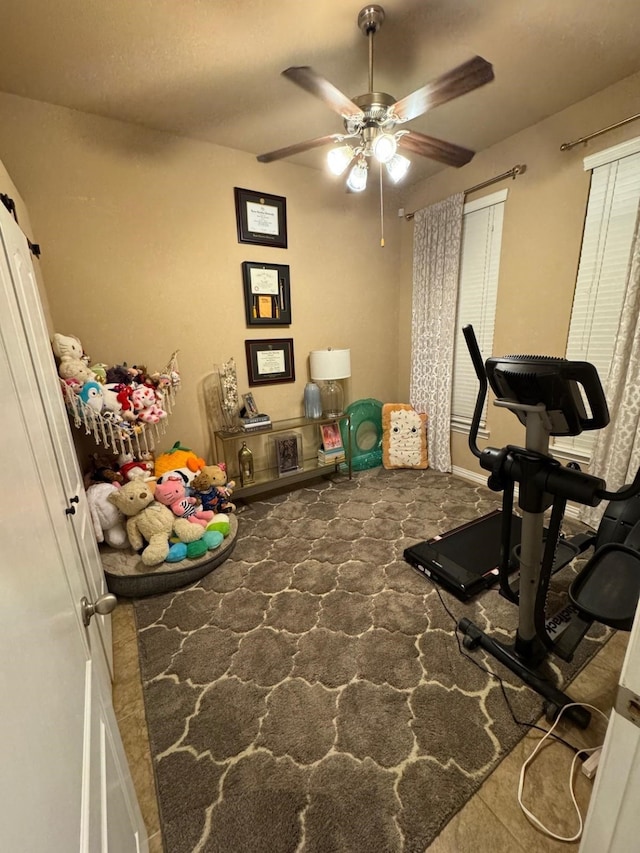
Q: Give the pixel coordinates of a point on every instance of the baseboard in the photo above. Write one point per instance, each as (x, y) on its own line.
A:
(571, 510)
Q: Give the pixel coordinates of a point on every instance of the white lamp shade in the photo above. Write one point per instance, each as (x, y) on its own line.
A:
(328, 364)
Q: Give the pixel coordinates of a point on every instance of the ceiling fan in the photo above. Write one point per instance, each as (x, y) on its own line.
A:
(371, 120)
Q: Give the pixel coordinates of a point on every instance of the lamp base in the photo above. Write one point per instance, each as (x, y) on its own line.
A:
(332, 399)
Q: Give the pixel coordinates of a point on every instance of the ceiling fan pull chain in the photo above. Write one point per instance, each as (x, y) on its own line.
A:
(381, 211)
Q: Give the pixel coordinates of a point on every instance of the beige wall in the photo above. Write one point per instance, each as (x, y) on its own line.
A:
(140, 255)
(544, 217)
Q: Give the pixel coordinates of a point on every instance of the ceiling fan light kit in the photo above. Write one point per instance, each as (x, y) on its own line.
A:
(371, 120)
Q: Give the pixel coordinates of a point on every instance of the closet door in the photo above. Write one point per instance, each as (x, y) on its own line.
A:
(20, 268)
(64, 780)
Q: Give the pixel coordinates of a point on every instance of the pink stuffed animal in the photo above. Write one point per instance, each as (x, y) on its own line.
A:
(145, 405)
(171, 493)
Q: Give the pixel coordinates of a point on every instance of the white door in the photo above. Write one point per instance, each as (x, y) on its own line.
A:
(64, 781)
(31, 318)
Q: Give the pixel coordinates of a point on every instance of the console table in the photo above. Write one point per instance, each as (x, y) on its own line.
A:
(228, 443)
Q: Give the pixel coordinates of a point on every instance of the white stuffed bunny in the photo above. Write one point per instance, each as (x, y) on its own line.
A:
(108, 521)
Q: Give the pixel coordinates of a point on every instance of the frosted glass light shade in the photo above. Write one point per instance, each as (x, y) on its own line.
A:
(398, 167)
(339, 158)
(357, 180)
(384, 147)
(325, 364)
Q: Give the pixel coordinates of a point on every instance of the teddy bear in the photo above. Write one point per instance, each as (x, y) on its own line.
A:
(210, 485)
(151, 522)
(171, 492)
(145, 405)
(108, 521)
(69, 352)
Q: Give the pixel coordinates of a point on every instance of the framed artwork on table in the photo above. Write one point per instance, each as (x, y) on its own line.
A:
(270, 361)
(331, 438)
(250, 405)
(267, 294)
(288, 448)
(261, 218)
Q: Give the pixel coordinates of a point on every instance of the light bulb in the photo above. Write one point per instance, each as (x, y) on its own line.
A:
(384, 147)
(398, 167)
(339, 158)
(357, 179)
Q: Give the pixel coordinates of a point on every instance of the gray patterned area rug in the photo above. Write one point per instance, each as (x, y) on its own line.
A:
(309, 695)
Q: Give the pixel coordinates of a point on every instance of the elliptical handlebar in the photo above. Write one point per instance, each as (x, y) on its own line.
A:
(598, 492)
(478, 364)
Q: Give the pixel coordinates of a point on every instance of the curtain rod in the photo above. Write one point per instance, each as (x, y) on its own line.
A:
(516, 170)
(567, 146)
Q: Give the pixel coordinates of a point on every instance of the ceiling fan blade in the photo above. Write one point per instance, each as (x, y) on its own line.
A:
(466, 77)
(298, 148)
(436, 149)
(307, 79)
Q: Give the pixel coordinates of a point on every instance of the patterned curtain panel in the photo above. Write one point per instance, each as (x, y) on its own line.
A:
(616, 453)
(436, 259)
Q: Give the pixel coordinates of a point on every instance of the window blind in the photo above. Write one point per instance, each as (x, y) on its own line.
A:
(609, 227)
(477, 296)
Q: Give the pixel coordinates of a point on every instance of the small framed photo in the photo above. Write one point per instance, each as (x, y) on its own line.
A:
(270, 361)
(261, 218)
(267, 289)
(331, 438)
(250, 406)
(288, 448)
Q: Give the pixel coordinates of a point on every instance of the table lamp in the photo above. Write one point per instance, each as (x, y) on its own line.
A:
(328, 366)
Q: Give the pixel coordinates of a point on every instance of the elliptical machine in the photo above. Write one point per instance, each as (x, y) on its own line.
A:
(545, 394)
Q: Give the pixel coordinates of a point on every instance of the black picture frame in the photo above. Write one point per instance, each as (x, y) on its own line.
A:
(270, 361)
(267, 294)
(261, 218)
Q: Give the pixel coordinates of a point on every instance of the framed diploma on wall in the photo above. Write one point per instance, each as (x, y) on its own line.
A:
(270, 361)
(267, 299)
(261, 218)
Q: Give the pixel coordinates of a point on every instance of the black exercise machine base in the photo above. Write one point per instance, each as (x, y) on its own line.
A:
(556, 699)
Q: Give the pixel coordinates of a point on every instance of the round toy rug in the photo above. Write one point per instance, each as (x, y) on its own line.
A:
(127, 575)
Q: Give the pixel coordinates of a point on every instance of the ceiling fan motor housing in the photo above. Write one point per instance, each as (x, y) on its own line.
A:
(377, 113)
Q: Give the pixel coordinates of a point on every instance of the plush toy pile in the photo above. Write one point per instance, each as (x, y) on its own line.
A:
(126, 397)
(168, 509)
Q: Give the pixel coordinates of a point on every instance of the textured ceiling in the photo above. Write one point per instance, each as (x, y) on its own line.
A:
(210, 69)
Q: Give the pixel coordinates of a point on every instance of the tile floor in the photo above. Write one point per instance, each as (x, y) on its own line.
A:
(491, 822)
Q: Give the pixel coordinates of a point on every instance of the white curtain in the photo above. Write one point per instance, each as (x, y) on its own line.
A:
(616, 452)
(436, 260)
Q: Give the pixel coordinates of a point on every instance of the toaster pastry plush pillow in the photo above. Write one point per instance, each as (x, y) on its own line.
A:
(404, 437)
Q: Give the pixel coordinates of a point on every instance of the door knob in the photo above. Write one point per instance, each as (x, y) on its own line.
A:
(104, 604)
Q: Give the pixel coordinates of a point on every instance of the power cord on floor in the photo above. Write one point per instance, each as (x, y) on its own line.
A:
(591, 751)
(499, 680)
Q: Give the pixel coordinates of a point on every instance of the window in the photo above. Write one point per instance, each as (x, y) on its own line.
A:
(610, 221)
(477, 296)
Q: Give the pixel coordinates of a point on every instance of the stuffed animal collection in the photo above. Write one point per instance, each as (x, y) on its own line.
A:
(127, 397)
(183, 513)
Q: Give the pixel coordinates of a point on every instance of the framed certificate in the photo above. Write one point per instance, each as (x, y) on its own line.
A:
(261, 218)
(267, 299)
(270, 361)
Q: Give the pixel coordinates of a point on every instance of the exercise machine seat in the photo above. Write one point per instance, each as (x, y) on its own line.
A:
(608, 587)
